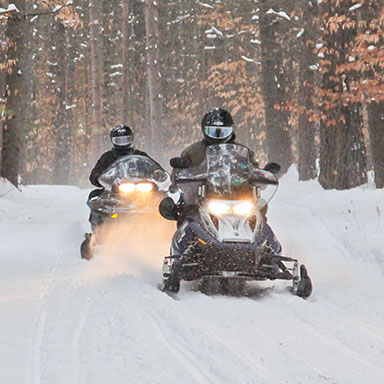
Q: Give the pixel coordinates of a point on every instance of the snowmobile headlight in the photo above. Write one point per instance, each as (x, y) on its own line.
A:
(218, 208)
(144, 187)
(244, 208)
(126, 187)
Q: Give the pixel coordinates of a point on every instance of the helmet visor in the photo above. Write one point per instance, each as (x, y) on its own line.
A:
(216, 132)
(121, 140)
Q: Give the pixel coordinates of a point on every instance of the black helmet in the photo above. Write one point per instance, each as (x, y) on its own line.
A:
(121, 137)
(217, 125)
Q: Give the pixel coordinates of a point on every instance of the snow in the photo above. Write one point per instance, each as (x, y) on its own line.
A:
(356, 6)
(300, 33)
(206, 5)
(66, 320)
(213, 32)
(11, 8)
(248, 59)
(280, 13)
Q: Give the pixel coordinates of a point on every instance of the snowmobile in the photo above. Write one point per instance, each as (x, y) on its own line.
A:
(133, 184)
(223, 239)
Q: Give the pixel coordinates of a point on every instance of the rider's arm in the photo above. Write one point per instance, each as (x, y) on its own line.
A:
(102, 164)
(252, 158)
(141, 153)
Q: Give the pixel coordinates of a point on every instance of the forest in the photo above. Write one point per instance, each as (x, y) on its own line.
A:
(302, 79)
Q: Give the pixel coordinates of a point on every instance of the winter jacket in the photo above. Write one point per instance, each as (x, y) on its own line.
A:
(195, 153)
(107, 159)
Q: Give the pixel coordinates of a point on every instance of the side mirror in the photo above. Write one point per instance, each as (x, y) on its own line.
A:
(178, 162)
(272, 167)
(168, 209)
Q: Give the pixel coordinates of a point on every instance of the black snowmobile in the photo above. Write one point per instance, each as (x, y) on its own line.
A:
(223, 239)
(133, 184)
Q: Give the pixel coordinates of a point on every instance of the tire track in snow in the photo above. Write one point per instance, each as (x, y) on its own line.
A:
(235, 348)
(188, 361)
(211, 342)
(38, 329)
(314, 333)
(38, 335)
(77, 376)
(152, 322)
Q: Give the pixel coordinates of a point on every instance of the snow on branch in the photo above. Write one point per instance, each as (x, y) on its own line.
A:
(11, 8)
(356, 6)
(57, 9)
(282, 14)
(206, 5)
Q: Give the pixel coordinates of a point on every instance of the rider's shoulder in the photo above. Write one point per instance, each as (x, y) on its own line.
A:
(140, 153)
(107, 155)
(195, 146)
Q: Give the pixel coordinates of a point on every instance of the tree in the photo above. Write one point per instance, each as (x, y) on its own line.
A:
(96, 76)
(153, 74)
(273, 85)
(15, 98)
(369, 50)
(306, 164)
(126, 67)
(342, 147)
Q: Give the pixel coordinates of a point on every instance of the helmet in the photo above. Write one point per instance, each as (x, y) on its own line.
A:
(121, 137)
(217, 125)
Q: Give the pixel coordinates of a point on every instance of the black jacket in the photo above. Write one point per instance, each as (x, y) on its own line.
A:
(107, 159)
(195, 153)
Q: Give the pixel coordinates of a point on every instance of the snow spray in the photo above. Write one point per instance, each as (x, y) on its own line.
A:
(135, 246)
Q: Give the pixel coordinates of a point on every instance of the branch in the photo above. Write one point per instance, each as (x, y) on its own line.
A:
(57, 9)
(11, 8)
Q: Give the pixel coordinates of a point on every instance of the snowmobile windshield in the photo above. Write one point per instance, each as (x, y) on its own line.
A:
(135, 168)
(228, 172)
(228, 169)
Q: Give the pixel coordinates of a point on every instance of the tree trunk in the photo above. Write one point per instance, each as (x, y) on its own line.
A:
(342, 147)
(307, 82)
(96, 76)
(62, 159)
(376, 133)
(153, 75)
(371, 11)
(126, 119)
(342, 151)
(15, 95)
(274, 89)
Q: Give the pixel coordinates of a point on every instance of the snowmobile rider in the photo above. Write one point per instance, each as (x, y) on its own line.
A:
(121, 138)
(218, 128)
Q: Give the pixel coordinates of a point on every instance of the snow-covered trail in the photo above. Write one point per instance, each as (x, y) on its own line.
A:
(66, 320)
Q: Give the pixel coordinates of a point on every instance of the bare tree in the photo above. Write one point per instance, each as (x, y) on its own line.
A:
(15, 104)
(274, 86)
(153, 74)
(96, 76)
(127, 119)
(307, 82)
